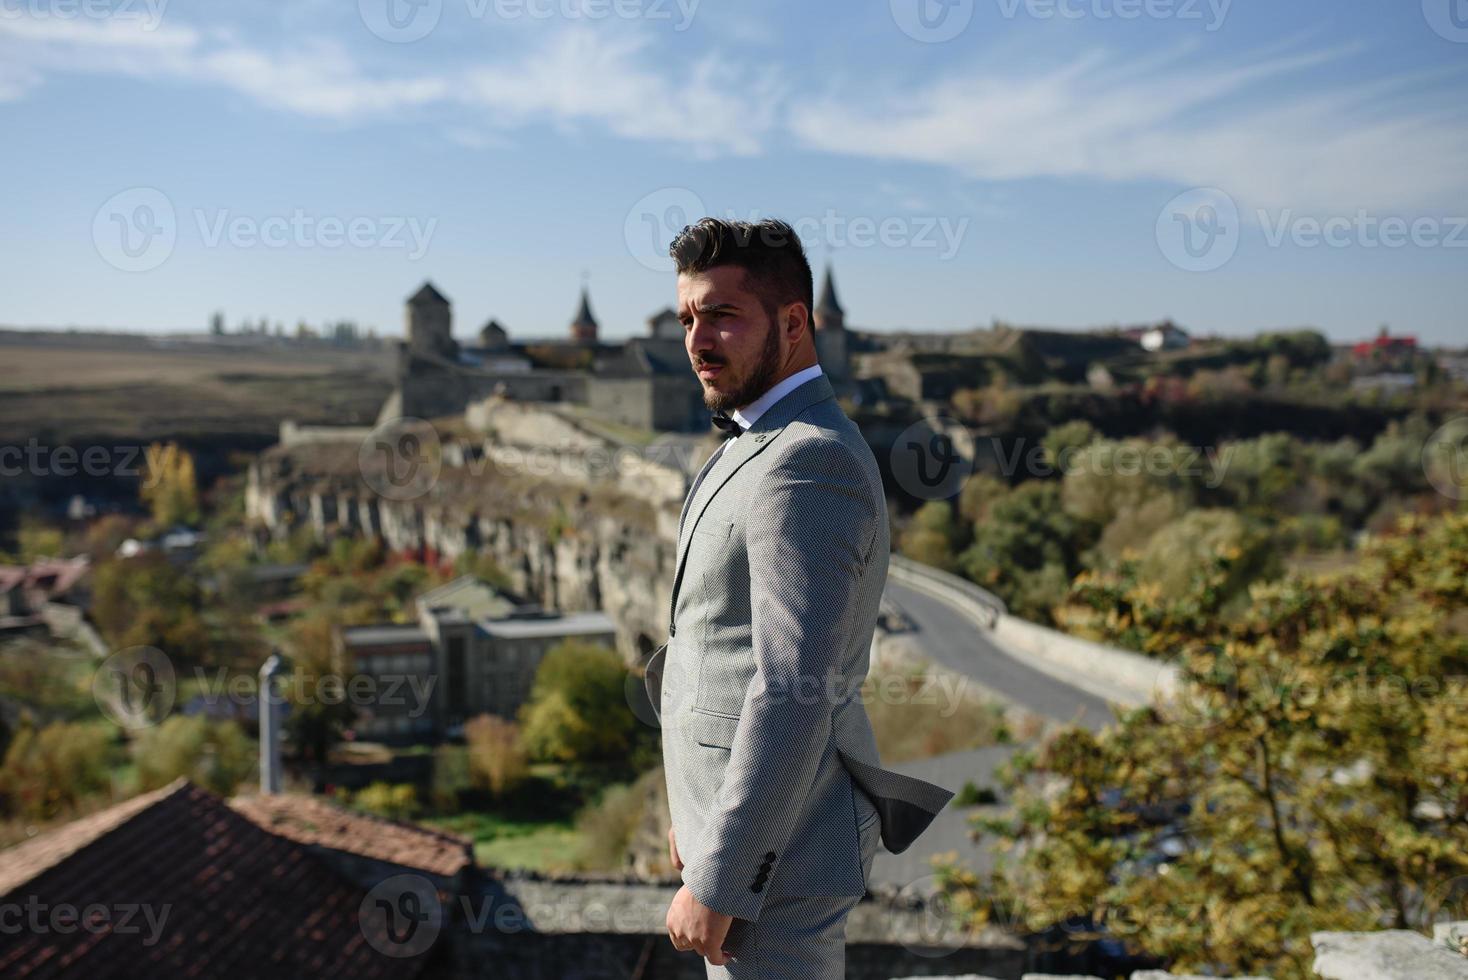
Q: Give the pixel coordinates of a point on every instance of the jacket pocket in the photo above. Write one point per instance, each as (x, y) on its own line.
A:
(713, 730)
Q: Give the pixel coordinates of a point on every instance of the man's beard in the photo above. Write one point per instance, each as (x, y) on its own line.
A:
(760, 379)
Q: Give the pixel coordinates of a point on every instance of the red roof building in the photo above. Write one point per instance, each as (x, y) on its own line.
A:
(179, 883)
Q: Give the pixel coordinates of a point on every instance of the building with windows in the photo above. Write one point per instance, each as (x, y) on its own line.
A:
(474, 650)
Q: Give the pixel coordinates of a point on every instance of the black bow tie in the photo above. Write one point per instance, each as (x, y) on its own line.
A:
(728, 424)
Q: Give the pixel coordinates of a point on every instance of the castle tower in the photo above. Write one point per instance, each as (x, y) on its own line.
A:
(494, 336)
(828, 312)
(831, 337)
(428, 319)
(583, 328)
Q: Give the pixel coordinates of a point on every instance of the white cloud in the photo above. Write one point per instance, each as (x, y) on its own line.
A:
(1174, 119)
(1263, 128)
(579, 77)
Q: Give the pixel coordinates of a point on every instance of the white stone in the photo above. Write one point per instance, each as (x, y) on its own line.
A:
(1453, 935)
(1392, 955)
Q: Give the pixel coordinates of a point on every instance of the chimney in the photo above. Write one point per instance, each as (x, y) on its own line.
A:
(272, 707)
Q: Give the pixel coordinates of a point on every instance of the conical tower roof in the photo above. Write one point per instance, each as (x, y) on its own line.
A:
(829, 305)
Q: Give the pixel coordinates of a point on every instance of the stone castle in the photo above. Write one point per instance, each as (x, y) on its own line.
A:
(645, 381)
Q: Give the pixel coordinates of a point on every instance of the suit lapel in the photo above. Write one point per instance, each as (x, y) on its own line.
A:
(749, 445)
(708, 464)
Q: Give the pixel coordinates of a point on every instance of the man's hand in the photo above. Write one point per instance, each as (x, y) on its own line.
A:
(673, 850)
(693, 925)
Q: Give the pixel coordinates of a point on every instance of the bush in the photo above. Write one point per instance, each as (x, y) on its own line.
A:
(393, 801)
(216, 755)
(495, 755)
(48, 773)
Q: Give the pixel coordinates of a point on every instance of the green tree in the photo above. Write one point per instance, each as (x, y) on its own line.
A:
(577, 710)
(1128, 489)
(319, 707)
(148, 601)
(216, 755)
(932, 535)
(47, 773)
(1026, 552)
(1314, 759)
(1069, 437)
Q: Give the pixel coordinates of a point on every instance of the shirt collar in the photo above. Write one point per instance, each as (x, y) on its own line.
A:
(749, 414)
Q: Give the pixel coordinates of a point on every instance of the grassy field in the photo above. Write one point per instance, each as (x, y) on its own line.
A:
(63, 387)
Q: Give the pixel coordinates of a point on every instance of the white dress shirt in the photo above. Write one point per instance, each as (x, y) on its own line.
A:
(749, 414)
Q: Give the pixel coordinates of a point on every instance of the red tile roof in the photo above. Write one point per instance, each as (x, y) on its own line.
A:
(312, 820)
(234, 901)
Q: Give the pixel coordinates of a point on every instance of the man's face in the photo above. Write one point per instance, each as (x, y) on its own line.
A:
(733, 345)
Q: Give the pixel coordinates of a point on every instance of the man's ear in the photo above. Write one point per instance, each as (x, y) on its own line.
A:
(794, 317)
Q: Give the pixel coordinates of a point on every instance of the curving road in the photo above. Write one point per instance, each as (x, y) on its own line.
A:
(950, 638)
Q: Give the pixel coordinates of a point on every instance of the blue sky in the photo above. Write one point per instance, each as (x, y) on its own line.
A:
(1236, 166)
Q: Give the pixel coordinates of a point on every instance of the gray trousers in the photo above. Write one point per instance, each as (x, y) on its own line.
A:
(797, 938)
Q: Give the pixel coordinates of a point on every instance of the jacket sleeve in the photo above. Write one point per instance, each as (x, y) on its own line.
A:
(809, 542)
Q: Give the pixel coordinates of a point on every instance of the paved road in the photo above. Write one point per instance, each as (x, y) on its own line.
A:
(951, 639)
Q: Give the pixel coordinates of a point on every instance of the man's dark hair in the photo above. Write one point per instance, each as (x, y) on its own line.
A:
(769, 252)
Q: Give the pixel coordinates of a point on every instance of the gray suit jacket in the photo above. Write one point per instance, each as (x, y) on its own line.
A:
(771, 765)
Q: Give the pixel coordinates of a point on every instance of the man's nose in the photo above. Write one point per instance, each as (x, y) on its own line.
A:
(701, 337)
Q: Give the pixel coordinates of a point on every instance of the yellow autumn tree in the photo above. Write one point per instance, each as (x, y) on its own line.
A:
(1311, 772)
(169, 486)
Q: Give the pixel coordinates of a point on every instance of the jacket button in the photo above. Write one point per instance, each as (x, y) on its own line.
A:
(758, 886)
(770, 856)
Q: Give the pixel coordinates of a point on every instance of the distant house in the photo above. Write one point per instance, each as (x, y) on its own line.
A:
(1162, 336)
(474, 650)
(177, 883)
(664, 325)
(1385, 346)
(46, 596)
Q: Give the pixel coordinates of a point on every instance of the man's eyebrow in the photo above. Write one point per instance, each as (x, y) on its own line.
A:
(717, 307)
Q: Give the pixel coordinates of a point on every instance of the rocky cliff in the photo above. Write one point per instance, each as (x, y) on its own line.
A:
(571, 534)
